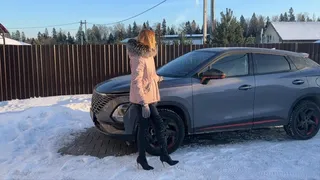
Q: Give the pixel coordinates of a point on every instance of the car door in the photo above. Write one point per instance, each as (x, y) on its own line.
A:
(225, 103)
(278, 85)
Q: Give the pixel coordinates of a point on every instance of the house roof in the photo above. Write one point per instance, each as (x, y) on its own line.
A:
(12, 42)
(297, 30)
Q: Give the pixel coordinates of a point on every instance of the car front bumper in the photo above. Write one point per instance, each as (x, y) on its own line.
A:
(110, 130)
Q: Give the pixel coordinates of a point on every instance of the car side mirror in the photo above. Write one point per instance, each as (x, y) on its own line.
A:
(211, 74)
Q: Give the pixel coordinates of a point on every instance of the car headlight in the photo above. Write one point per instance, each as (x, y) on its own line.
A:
(119, 112)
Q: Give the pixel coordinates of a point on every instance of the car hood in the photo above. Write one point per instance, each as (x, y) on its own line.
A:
(121, 84)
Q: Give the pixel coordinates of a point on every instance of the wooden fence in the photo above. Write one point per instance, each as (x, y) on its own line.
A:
(50, 70)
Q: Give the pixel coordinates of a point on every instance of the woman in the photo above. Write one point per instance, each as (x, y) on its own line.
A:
(144, 93)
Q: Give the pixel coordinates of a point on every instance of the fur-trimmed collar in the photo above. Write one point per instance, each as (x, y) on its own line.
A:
(139, 49)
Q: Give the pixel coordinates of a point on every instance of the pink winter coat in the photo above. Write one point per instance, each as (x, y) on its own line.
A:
(144, 79)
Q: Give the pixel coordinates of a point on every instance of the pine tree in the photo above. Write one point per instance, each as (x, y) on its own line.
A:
(135, 30)
(253, 26)
(23, 37)
(318, 19)
(144, 26)
(18, 35)
(39, 36)
(197, 31)
(244, 26)
(168, 30)
(229, 30)
(111, 39)
(172, 31)
(46, 34)
(54, 34)
(79, 36)
(188, 28)
(70, 39)
(147, 24)
(291, 15)
(129, 31)
(281, 17)
(193, 26)
(164, 27)
(158, 33)
(285, 17)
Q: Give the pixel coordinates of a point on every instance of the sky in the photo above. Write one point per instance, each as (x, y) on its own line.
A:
(34, 13)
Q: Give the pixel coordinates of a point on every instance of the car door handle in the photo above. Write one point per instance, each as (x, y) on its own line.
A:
(297, 82)
(245, 87)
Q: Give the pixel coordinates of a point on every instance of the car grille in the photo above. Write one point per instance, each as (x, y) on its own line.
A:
(98, 101)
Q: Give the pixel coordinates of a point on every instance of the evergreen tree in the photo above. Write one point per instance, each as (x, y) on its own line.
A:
(291, 15)
(129, 31)
(23, 37)
(244, 26)
(80, 35)
(164, 27)
(111, 39)
(285, 17)
(70, 39)
(144, 26)
(147, 24)
(18, 35)
(193, 26)
(318, 19)
(188, 28)
(172, 31)
(135, 29)
(229, 30)
(54, 34)
(46, 34)
(168, 30)
(158, 33)
(39, 36)
(253, 26)
(268, 22)
(281, 17)
(198, 30)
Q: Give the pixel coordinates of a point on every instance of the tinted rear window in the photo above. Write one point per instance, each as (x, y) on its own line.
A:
(267, 63)
(301, 62)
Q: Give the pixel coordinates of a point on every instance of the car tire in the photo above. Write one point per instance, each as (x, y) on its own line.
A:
(174, 123)
(303, 121)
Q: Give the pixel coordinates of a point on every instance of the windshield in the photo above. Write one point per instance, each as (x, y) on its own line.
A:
(184, 64)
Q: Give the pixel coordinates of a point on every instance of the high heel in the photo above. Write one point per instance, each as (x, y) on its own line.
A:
(168, 160)
(144, 164)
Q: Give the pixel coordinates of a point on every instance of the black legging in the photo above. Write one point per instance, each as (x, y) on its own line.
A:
(159, 129)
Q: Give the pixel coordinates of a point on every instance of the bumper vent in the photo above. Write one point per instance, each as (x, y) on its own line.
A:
(98, 101)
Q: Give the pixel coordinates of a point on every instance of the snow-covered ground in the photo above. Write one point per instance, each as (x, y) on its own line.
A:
(33, 130)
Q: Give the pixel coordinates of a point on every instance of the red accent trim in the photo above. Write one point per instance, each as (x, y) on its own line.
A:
(240, 124)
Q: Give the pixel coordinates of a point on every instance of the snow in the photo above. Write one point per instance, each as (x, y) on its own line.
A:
(33, 130)
(298, 30)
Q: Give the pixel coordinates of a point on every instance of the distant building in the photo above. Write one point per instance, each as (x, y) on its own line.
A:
(292, 32)
(171, 39)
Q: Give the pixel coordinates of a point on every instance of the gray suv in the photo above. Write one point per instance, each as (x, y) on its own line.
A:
(219, 89)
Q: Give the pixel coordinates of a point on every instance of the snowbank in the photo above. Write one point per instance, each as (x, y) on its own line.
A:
(32, 131)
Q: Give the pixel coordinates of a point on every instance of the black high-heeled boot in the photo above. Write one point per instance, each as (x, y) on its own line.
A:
(141, 159)
(143, 162)
(162, 139)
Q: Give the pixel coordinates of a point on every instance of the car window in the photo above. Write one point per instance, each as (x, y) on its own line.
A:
(267, 63)
(233, 65)
(184, 64)
(303, 62)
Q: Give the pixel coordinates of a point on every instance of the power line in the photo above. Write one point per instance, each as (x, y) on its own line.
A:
(134, 15)
(38, 27)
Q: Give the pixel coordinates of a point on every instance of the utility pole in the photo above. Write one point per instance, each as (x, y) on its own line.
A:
(204, 21)
(213, 25)
(85, 28)
(81, 32)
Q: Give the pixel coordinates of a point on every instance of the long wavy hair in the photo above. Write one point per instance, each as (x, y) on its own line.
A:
(147, 37)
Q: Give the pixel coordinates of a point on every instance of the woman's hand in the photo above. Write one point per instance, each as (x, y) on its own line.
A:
(146, 111)
(160, 78)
